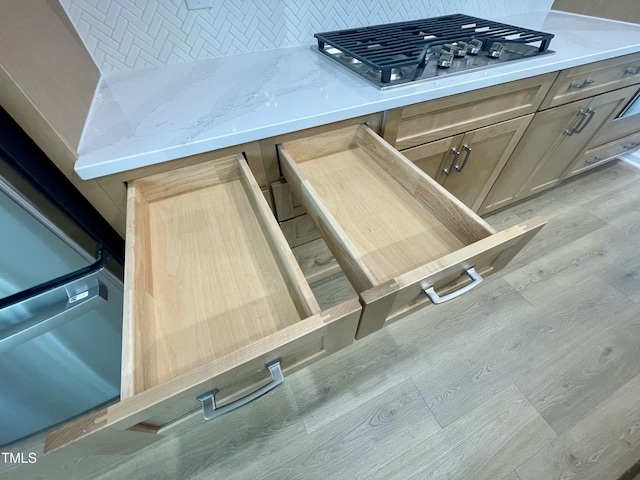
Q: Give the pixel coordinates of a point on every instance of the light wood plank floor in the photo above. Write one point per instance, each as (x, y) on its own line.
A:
(534, 376)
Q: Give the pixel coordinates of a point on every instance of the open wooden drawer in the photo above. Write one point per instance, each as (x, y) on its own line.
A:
(213, 297)
(403, 241)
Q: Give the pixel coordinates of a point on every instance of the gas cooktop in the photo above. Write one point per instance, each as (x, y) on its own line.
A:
(406, 52)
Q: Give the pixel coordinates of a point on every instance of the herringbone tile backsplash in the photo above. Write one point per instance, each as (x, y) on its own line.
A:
(127, 34)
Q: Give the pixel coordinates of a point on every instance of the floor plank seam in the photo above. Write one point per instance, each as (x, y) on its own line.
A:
(426, 403)
(515, 384)
(579, 282)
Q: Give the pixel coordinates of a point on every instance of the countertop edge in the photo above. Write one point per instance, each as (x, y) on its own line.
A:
(90, 166)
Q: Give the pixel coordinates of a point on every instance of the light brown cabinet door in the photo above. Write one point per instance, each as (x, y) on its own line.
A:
(539, 143)
(483, 153)
(574, 140)
(436, 158)
(552, 142)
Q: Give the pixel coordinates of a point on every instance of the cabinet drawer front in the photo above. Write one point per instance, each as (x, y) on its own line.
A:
(133, 423)
(406, 293)
(592, 79)
(436, 119)
(597, 156)
(386, 221)
(286, 204)
(299, 230)
(212, 294)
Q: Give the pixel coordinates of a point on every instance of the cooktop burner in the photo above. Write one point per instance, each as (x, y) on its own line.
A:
(400, 53)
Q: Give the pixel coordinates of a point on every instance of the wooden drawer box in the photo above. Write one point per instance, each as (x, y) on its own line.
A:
(597, 156)
(396, 233)
(436, 119)
(592, 79)
(212, 295)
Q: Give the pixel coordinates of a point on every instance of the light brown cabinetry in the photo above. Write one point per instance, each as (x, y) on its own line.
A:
(428, 121)
(47, 83)
(433, 157)
(316, 260)
(625, 122)
(213, 297)
(481, 130)
(592, 79)
(619, 136)
(599, 155)
(467, 165)
(299, 230)
(397, 234)
(551, 144)
(215, 302)
(286, 204)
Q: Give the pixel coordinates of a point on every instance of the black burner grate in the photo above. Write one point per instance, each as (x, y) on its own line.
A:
(394, 45)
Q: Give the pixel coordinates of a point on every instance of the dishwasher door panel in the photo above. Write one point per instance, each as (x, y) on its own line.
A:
(71, 365)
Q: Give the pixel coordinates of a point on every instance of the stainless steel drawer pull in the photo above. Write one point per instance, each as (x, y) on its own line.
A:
(589, 113)
(436, 299)
(209, 400)
(587, 83)
(322, 263)
(632, 70)
(584, 118)
(467, 149)
(581, 116)
(456, 154)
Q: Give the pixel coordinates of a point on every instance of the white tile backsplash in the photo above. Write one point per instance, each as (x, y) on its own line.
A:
(132, 34)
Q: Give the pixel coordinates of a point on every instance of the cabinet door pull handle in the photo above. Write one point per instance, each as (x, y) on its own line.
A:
(632, 70)
(467, 149)
(589, 114)
(436, 299)
(454, 151)
(587, 83)
(208, 399)
(322, 263)
(581, 116)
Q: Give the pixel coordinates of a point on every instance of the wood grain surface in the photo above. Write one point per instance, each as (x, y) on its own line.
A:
(394, 230)
(521, 380)
(206, 308)
(391, 230)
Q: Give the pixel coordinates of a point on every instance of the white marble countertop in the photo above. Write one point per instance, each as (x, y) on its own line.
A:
(141, 118)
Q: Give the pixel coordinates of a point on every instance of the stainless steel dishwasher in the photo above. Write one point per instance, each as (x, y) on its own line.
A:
(60, 309)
